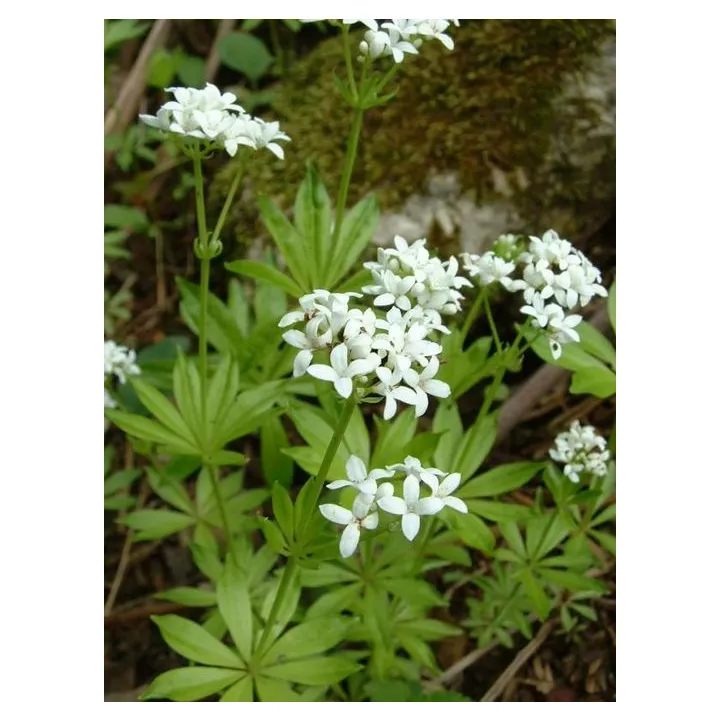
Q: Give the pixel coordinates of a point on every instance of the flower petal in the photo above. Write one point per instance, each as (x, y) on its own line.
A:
(302, 362)
(450, 484)
(393, 505)
(344, 386)
(430, 506)
(349, 539)
(355, 469)
(410, 525)
(371, 521)
(336, 514)
(411, 490)
(335, 484)
(456, 504)
(323, 372)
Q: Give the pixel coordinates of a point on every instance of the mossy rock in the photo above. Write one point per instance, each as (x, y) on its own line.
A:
(506, 113)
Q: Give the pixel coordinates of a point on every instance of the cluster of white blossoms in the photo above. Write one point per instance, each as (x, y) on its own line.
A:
(397, 38)
(581, 450)
(216, 118)
(389, 357)
(120, 362)
(372, 497)
(556, 278)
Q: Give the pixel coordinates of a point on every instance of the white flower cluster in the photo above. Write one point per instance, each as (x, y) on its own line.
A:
(216, 118)
(581, 450)
(407, 275)
(120, 362)
(400, 37)
(556, 278)
(371, 497)
(394, 349)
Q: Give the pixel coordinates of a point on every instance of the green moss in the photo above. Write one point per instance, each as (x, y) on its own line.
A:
(491, 104)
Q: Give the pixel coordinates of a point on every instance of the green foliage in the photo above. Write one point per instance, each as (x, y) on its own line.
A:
(246, 54)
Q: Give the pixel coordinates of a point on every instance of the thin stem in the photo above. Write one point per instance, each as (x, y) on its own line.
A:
(200, 197)
(348, 60)
(472, 315)
(319, 480)
(217, 491)
(350, 155)
(491, 322)
(285, 580)
(226, 207)
(202, 332)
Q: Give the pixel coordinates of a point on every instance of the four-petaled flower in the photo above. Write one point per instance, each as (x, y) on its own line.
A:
(353, 520)
(411, 507)
(340, 372)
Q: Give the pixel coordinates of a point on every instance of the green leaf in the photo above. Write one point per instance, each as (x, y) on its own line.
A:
(312, 220)
(266, 273)
(545, 534)
(276, 466)
(248, 411)
(314, 671)
(288, 240)
(194, 643)
(207, 560)
(447, 422)
(358, 227)
(500, 511)
(611, 305)
(118, 31)
(241, 691)
(156, 524)
(224, 387)
(273, 535)
(270, 690)
(121, 480)
(161, 69)
(430, 629)
(245, 53)
(312, 637)
(233, 597)
(606, 540)
(162, 409)
(145, 429)
(511, 532)
(191, 683)
(475, 445)
(333, 601)
(417, 593)
(283, 510)
(594, 342)
(390, 691)
(573, 356)
(125, 217)
(535, 593)
(189, 596)
(593, 381)
(471, 530)
(326, 574)
(288, 603)
(499, 480)
(191, 71)
(171, 491)
(571, 580)
(393, 437)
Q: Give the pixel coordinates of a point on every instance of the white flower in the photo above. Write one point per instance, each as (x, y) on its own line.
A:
(372, 24)
(581, 450)
(340, 372)
(436, 29)
(411, 507)
(391, 289)
(380, 43)
(542, 313)
(444, 493)
(412, 467)
(109, 401)
(308, 342)
(120, 361)
(359, 478)
(424, 384)
(353, 521)
(389, 387)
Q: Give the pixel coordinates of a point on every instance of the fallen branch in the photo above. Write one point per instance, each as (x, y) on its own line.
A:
(213, 61)
(543, 381)
(460, 666)
(128, 99)
(520, 659)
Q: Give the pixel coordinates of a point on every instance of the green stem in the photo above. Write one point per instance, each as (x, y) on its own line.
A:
(491, 322)
(348, 60)
(202, 333)
(200, 197)
(472, 315)
(319, 480)
(226, 207)
(215, 482)
(350, 155)
(285, 581)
